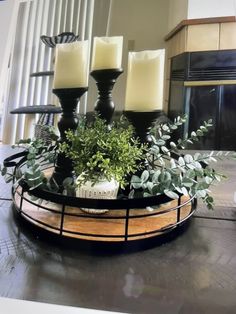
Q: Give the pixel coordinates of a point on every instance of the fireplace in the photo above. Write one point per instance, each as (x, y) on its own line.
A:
(203, 85)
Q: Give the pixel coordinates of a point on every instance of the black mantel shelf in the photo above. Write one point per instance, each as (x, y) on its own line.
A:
(43, 73)
(37, 109)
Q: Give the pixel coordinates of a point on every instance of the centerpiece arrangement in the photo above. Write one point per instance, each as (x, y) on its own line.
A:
(133, 161)
(117, 158)
(103, 158)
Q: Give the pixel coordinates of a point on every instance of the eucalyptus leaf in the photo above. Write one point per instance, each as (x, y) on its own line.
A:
(212, 159)
(188, 158)
(166, 137)
(136, 179)
(201, 193)
(171, 194)
(146, 194)
(200, 133)
(202, 185)
(190, 166)
(8, 179)
(218, 177)
(4, 171)
(167, 176)
(150, 186)
(208, 180)
(172, 163)
(165, 127)
(67, 181)
(184, 191)
(190, 174)
(160, 142)
(178, 189)
(144, 176)
(136, 185)
(131, 194)
(181, 161)
(164, 149)
(156, 189)
(18, 173)
(187, 182)
(197, 165)
(155, 177)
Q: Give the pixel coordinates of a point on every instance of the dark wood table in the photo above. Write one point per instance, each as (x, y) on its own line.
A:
(193, 273)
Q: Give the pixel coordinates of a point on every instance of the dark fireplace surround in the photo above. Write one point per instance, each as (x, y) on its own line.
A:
(203, 85)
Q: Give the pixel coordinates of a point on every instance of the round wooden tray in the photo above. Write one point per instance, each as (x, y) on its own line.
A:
(114, 226)
(127, 219)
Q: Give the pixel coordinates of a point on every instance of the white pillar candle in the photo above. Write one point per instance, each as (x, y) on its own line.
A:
(107, 52)
(71, 65)
(145, 80)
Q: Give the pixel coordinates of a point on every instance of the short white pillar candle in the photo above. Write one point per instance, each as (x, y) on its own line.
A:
(107, 53)
(145, 80)
(71, 65)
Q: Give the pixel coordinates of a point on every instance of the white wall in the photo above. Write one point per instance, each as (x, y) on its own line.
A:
(178, 11)
(145, 22)
(143, 25)
(192, 9)
(6, 9)
(211, 8)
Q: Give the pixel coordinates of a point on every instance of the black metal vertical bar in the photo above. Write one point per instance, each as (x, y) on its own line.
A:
(194, 203)
(178, 209)
(127, 224)
(218, 117)
(187, 97)
(21, 200)
(13, 189)
(62, 218)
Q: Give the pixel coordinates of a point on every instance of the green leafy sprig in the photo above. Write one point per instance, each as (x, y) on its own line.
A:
(174, 173)
(40, 153)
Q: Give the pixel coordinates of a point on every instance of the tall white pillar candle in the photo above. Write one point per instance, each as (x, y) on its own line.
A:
(71, 65)
(145, 80)
(107, 53)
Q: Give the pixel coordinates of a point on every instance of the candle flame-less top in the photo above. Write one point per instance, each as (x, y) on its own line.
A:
(71, 65)
(145, 80)
(107, 53)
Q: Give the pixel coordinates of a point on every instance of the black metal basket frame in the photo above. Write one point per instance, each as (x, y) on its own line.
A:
(112, 204)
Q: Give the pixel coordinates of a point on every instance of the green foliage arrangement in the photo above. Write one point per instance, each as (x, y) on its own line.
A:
(174, 173)
(99, 152)
(40, 153)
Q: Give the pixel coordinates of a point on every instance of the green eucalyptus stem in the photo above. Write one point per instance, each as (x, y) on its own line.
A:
(174, 173)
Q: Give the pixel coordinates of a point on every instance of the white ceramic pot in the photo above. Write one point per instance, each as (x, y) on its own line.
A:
(100, 190)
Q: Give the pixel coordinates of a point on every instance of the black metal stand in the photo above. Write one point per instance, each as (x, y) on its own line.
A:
(105, 80)
(69, 98)
(142, 122)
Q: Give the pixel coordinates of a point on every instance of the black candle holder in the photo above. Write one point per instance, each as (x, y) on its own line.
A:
(105, 80)
(69, 98)
(142, 123)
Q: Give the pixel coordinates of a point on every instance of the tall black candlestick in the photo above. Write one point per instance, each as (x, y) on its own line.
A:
(142, 123)
(105, 80)
(69, 98)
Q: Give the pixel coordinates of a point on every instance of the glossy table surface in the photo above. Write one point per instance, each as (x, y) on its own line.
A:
(193, 273)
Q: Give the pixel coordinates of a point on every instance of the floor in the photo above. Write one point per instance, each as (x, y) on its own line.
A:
(193, 273)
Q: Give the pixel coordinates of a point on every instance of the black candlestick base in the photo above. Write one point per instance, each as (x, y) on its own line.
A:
(105, 80)
(69, 98)
(142, 123)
